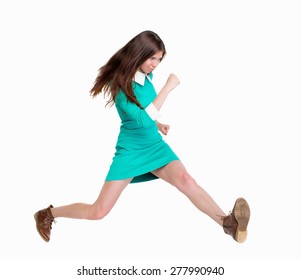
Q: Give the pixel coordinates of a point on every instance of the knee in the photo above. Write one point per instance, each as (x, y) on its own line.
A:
(186, 181)
(98, 212)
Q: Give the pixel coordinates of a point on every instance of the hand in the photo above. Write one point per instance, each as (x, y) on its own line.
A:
(172, 81)
(163, 128)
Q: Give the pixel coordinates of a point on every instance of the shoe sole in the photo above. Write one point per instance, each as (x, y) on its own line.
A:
(40, 233)
(241, 213)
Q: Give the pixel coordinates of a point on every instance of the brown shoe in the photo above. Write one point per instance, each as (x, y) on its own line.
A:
(235, 224)
(44, 221)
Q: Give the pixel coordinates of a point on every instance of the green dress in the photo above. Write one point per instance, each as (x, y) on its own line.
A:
(140, 147)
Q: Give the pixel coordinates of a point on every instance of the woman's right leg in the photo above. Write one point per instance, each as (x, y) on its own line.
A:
(107, 198)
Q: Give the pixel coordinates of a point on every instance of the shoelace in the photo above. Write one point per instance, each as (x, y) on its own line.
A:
(224, 217)
(49, 220)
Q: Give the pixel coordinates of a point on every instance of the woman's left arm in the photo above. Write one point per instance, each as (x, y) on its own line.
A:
(170, 84)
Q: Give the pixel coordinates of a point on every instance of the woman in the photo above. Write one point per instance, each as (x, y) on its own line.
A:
(141, 153)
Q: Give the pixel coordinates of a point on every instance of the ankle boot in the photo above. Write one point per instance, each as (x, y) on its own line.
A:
(44, 219)
(235, 224)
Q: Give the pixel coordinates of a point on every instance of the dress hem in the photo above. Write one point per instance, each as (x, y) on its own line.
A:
(141, 173)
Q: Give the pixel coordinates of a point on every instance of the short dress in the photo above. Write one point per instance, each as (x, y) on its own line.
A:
(140, 147)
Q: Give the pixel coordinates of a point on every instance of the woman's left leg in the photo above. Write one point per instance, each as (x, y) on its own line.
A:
(234, 224)
(176, 174)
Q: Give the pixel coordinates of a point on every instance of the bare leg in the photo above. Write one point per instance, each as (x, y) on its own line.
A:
(175, 173)
(107, 198)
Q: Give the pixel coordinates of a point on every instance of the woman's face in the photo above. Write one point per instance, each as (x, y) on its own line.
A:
(150, 64)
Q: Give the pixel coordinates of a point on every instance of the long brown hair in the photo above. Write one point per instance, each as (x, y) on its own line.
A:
(120, 69)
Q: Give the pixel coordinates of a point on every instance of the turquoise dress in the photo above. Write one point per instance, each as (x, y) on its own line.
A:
(140, 147)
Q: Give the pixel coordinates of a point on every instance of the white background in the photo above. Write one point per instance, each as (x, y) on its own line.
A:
(235, 123)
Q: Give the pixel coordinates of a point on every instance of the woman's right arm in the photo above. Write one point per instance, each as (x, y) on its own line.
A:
(132, 111)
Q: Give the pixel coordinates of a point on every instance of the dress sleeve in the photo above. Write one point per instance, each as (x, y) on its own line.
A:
(134, 112)
(152, 111)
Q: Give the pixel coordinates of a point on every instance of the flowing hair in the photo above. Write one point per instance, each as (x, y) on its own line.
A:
(118, 73)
